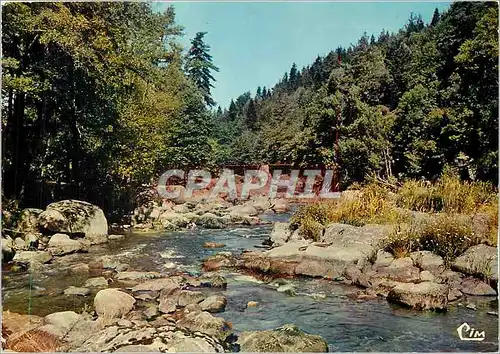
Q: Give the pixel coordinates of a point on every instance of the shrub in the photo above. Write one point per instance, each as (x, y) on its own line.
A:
(448, 236)
(403, 240)
(311, 229)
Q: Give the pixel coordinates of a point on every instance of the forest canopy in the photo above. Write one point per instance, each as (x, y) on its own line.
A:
(100, 98)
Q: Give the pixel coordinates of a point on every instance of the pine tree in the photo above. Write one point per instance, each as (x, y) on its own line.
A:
(251, 115)
(199, 66)
(293, 77)
(233, 111)
(372, 40)
(258, 93)
(264, 92)
(435, 17)
(219, 111)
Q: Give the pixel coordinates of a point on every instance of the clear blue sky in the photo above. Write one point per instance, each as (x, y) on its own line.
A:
(254, 44)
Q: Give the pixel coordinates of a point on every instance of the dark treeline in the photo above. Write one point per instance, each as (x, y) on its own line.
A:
(410, 104)
(99, 99)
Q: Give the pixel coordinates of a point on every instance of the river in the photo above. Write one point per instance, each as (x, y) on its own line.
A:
(319, 307)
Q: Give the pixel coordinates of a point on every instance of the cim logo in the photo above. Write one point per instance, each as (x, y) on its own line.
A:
(466, 332)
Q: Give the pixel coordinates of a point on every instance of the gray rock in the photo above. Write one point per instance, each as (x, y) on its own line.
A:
(53, 220)
(454, 294)
(7, 249)
(170, 219)
(204, 322)
(281, 233)
(401, 263)
(61, 244)
(214, 303)
(32, 256)
(422, 296)
(288, 338)
(157, 285)
(427, 260)
(19, 244)
(77, 217)
(212, 221)
(480, 261)
(167, 305)
(60, 323)
(99, 282)
(471, 286)
(73, 290)
(113, 338)
(186, 297)
(112, 303)
(427, 276)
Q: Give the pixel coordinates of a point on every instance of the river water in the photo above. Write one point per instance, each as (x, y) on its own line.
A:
(319, 307)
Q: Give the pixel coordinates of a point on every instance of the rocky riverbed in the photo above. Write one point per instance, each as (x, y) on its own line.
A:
(149, 291)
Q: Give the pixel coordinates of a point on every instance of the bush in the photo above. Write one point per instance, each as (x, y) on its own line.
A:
(448, 236)
(403, 240)
(310, 229)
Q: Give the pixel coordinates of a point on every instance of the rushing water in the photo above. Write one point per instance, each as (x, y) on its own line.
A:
(320, 306)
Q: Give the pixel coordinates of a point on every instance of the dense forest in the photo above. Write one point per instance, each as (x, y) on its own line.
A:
(100, 98)
(405, 105)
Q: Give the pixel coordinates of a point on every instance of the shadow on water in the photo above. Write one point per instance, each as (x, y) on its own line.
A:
(320, 307)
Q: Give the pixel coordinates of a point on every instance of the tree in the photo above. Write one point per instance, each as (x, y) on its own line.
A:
(233, 111)
(435, 17)
(294, 77)
(251, 115)
(199, 66)
(258, 93)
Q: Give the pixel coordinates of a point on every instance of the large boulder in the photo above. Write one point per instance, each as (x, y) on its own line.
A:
(74, 217)
(288, 338)
(112, 303)
(61, 244)
(480, 261)
(421, 296)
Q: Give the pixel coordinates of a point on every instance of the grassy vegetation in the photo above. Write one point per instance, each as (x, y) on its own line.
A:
(458, 215)
(449, 194)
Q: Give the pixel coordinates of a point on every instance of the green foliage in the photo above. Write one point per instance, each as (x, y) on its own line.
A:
(199, 66)
(405, 105)
(96, 100)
